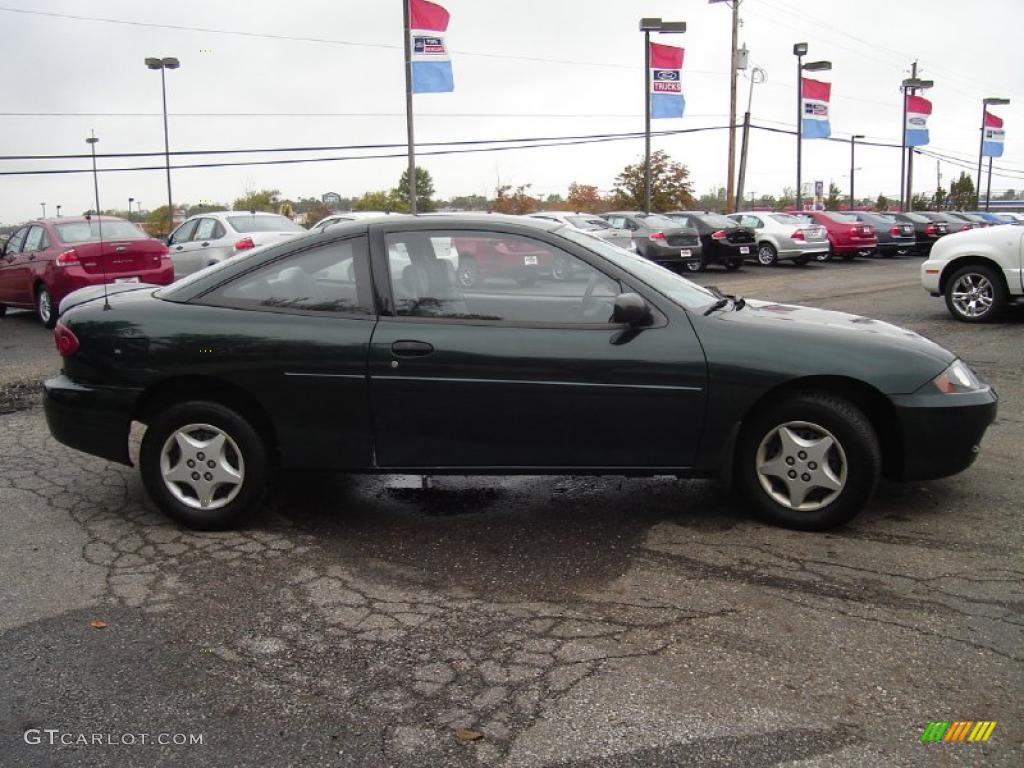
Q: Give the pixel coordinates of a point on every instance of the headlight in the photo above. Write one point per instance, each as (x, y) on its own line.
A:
(957, 379)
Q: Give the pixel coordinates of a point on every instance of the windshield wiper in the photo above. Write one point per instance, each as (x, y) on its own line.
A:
(716, 306)
(738, 302)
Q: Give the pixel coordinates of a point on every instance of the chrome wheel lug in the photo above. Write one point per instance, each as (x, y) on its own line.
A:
(802, 455)
(190, 463)
(790, 460)
(211, 464)
(813, 465)
(208, 477)
(805, 477)
(200, 455)
(195, 475)
(792, 474)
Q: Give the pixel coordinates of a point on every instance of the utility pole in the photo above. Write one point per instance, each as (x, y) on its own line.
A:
(730, 190)
(910, 157)
(938, 183)
(757, 75)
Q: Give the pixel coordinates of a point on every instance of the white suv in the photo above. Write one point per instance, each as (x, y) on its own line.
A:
(978, 271)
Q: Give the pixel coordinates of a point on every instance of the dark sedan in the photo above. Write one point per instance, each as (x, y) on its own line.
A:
(657, 238)
(725, 241)
(357, 350)
(926, 231)
(895, 238)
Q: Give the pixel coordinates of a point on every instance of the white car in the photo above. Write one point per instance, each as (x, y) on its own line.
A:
(781, 236)
(979, 272)
(208, 238)
(347, 216)
(590, 223)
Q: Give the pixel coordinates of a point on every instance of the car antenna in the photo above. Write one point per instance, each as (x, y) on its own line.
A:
(91, 141)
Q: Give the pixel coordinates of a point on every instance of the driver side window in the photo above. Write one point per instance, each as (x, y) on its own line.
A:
(183, 233)
(473, 276)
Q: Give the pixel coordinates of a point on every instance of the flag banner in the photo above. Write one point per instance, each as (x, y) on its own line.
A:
(431, 64)
(992, 143)
(814, 109)
(666, 81)
(916, 130)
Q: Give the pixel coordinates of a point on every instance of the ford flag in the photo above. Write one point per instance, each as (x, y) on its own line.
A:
(814, 109)
(992, 143)
(431, 64)
(666, 81)
(918, 111)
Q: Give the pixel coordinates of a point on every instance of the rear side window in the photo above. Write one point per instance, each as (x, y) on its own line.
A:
(332, 278)
(207, 230)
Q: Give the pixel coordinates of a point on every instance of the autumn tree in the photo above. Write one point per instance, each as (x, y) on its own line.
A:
(670, 189)
(517, 201)
(424, 190)
(585, 198)
(263, 200)
(315, 213)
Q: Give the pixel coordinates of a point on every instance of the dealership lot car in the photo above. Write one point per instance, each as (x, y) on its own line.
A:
(847, 236)
(289, 357)
(589, 222)
(782, 237)
(722, 240)
(47, 259)
(895, 238)
(926, 231)
(978, 272)
(658, 238)
(212, 237)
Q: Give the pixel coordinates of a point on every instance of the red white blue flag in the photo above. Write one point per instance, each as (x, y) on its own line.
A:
(918, 112)
(666, 81)
(814, 122)
(431, 64)
(992, 142)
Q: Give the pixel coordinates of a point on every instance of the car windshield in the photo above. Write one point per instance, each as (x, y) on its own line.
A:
(89, 231)
(588, 222)
(789, 221)
(674, 287)
(263, 223)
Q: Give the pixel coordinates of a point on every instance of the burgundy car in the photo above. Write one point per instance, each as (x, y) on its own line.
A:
(847, 237)
(47, 259)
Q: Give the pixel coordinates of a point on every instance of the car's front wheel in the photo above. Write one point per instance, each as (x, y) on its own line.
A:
(45, 309)
(975, 294)
(809, 462)
(695, 265)
(204, 464)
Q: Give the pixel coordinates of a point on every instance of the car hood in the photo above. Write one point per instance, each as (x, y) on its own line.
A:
(794, 341)
(985, 238)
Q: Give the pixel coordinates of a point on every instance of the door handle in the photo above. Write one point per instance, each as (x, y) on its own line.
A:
(178, 247)
(206, 243)
(411, 348)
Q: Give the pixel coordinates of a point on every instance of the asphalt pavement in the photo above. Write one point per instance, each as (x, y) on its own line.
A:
(563, 621)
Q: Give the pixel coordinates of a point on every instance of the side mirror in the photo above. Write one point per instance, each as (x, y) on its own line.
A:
(632, 309)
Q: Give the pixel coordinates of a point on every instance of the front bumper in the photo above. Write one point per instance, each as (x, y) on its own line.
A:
(931, 274)
(90, 418)
(942, 433)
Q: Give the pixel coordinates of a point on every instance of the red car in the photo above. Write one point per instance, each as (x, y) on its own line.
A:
(847, 237)
(47, 259)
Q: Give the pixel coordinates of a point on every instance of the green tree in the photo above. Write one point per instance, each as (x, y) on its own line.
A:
(195, 210)
(381, 200)
(669, 186)
(469, 203)
(939, 199)
(787, 199)
(961, 193)
(554, 201)
(712, 201)
(835, 197)
(263, 200)
(517, 201)
(158, 222)
(315, 213)
(920, 202)
(424, 190)
(882, 203)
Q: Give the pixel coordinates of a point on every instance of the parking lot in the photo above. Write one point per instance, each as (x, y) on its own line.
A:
(517, 621)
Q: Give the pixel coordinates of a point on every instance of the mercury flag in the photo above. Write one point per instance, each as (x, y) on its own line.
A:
(666, 81)
(918, 111)
(814, 109)
(431, 64)
(992, 143)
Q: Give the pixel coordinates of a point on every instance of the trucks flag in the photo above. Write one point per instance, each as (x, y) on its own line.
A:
(431, 64)
(665, 77)
(814, 109)
(992, 143)
(916, 129)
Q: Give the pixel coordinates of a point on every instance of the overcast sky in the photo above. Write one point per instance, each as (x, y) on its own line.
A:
(523, 68)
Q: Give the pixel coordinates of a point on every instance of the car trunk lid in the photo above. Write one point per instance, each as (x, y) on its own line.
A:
(120, 258)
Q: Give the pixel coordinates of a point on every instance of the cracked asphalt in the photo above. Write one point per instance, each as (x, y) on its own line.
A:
(562, 621)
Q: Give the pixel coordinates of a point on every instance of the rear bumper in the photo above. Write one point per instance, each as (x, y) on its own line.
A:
(854, 246)
(670, 254)
(942, 433)
(892, 246)
(90, 418)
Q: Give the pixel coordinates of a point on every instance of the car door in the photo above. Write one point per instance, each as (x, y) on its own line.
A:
(11, 263)
(520, 376)
(210, 243)
(33, 262)
(182, 248)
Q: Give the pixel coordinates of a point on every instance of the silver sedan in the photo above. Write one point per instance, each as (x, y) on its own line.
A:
(590, 223)
(781, 236)
(208, 238)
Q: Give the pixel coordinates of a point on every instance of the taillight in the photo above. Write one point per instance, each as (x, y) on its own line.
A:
(931, 230)
(656, 236)
(244, 244)
(68, 259)
(719, 235)
(965, 227)
(798, 235)
(66, 341)
(894, 230)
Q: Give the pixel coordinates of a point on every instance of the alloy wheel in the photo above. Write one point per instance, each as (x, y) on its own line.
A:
(766, 255)
(801, 466)
(201, 466)
(973, 295)
(45, 304)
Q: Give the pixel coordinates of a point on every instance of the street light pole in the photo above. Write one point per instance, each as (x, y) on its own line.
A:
(757, 75)
(853, 144)
(58, 211)
(731, 195)
(985, 103)
(800, 50)
(648, 25)
(911, 84)
(44, 209)
(130, 201)
(168, 62)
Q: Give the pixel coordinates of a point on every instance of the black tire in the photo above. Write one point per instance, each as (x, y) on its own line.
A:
(45, 309)
(767, 256)
(694, 265)
(733, 264)
(904, 251)
(860, 453)
(980, 275)
(245, 448)
(824, 255)
(468, 273)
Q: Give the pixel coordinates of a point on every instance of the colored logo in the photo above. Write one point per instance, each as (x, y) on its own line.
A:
(428, 45)
(916, 120)
(666, 74)
(958, 730)
(816, 110)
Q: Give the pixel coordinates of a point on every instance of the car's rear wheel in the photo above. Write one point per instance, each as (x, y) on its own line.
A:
(45, 309)
(468, 273)
(733, 264)
(975, 294)
(809, 462)
(824, 255)
(204, 464)
(767, 256)
(695, 265)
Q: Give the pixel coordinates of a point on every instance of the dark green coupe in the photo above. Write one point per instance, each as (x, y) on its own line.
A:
(359, 349)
